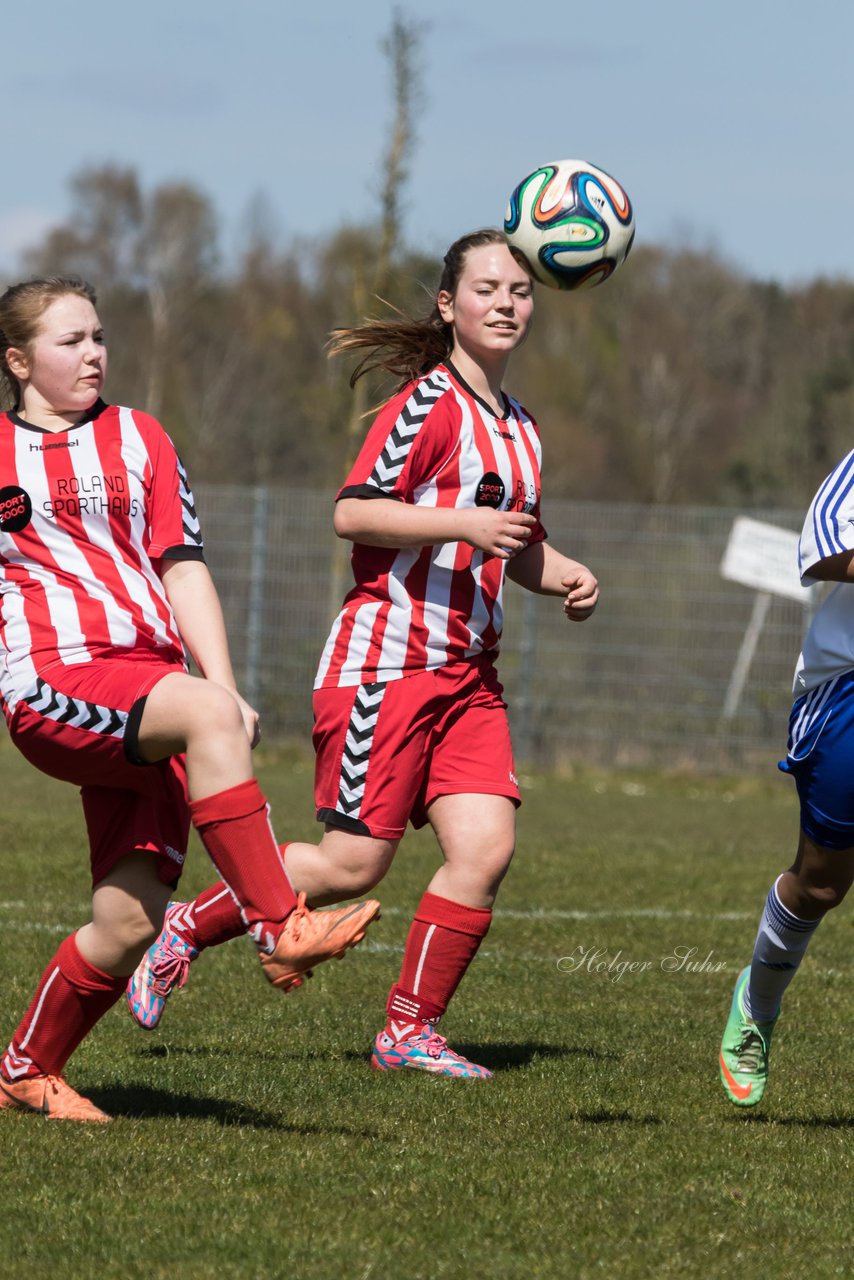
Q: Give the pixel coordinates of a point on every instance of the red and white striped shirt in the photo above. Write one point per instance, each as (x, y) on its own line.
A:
(84, 515)
(435, 444)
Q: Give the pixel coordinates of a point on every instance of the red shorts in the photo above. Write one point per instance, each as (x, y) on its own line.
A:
(386, 751)
(80, 726)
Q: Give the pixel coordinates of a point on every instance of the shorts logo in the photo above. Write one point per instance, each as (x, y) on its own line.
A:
(490, 491)
(16, 510)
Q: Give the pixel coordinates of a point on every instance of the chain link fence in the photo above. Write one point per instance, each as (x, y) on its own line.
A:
(644, 682)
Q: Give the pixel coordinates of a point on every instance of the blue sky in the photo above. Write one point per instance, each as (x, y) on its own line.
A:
(730, 124)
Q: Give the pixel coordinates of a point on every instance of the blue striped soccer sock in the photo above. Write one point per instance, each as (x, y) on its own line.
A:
(779, 948)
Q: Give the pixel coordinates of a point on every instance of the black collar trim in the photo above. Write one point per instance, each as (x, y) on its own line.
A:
(508, 412)
(97, 408)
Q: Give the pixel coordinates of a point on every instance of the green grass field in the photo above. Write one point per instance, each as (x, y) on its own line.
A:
(252, 1140)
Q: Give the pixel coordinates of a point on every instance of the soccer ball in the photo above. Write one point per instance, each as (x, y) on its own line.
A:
(572, 223)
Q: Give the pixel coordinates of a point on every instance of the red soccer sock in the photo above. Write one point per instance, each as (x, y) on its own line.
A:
(235, 829)
(442, 942)
(70, 998)
(211, 918)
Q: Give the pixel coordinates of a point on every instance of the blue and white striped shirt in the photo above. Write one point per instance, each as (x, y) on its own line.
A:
(828, 529)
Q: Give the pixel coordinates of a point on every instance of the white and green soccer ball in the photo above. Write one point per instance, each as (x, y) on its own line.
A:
(572, 222)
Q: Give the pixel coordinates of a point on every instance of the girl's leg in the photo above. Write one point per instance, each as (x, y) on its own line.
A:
(229, 810)
(797, 902)
(341, 866)
(127, 912)
(388, 775)
(185, 714)
(477, 836)
(817, 881)
(83, 981)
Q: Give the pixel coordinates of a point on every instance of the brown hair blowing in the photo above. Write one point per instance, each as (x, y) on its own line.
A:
(408, 347)
(21, 309)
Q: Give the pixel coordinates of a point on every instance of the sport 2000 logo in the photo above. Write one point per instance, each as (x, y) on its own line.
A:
(16, 510)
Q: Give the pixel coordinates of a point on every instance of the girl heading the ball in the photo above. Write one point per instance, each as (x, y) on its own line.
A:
(442, 503)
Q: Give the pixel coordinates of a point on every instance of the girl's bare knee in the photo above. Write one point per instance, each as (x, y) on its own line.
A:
(134, 930)
(823, 897)
(356, 864)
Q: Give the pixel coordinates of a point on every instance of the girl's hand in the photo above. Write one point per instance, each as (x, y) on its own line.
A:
(498, 533)
(251, 720)
(582, 592)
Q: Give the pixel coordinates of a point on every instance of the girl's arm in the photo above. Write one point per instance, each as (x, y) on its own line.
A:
(836, 568)
(383, 522)
(195, 603)
(542, 569)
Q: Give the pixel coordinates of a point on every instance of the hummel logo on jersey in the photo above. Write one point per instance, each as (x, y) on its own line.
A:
(503, 435)
(60, 444)
(16, 510)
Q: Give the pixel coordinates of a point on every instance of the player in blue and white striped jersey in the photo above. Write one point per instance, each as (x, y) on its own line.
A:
(820, 758)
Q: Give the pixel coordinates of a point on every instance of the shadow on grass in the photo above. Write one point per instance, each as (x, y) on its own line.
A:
(512, 1057)
(497, 1057)
(613, 1117)
(217, 1051)
(797, 1122)
(144, 1103)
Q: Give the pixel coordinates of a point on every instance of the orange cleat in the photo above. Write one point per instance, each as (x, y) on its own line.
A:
(49, 1096)
(310, 937)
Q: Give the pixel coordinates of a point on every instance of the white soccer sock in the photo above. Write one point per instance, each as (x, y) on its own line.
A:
(779, 948)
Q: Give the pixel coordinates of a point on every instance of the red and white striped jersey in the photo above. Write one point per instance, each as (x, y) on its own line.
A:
(84, 516)
(435, 444)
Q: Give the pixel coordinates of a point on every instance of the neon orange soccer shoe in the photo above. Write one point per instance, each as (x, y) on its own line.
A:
(49, 1096)
(310, 937)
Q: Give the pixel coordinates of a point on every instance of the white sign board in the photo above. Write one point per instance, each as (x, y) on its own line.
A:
(765, 557)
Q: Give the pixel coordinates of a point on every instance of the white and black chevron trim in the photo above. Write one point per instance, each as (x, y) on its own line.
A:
(80, 714)
(357, 748)
(407, 425)
(190, 521)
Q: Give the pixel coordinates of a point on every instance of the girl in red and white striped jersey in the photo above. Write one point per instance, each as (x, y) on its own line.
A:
(102, 583)
(410, 723)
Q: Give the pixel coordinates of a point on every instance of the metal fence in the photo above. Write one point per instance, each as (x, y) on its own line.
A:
(644, 682)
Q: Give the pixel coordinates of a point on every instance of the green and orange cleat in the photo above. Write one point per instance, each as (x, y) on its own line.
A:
(744, 1050)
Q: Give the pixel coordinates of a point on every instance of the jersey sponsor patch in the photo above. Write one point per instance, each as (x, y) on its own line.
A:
(490, 491)
(16, 509)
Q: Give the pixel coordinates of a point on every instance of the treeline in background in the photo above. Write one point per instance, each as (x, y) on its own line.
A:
(676, 395)
(679, 381)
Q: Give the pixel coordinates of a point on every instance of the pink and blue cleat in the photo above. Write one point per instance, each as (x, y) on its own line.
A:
(163, 968)
(424, 1052)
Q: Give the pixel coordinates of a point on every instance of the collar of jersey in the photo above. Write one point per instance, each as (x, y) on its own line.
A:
(461, 380)
(98, 407)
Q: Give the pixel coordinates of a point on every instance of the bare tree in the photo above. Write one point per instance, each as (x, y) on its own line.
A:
(401, 48)
(100, 238)
(177, 254)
